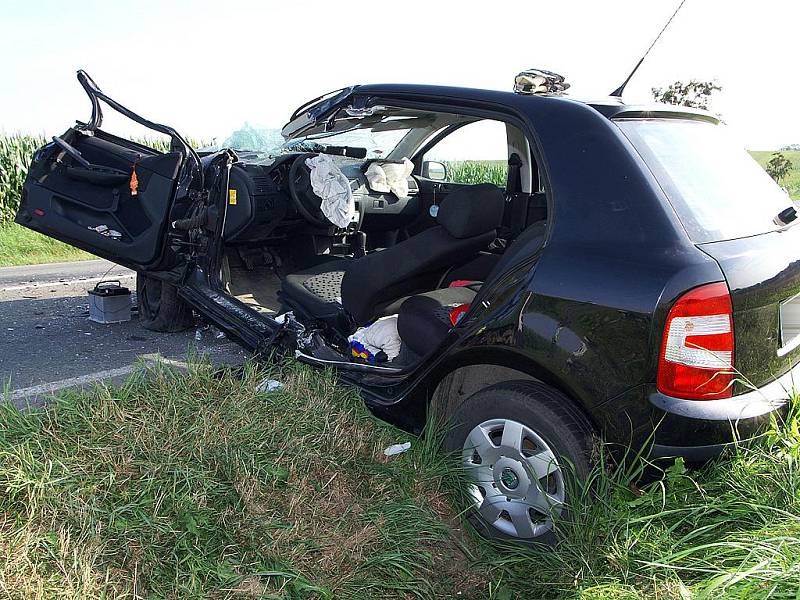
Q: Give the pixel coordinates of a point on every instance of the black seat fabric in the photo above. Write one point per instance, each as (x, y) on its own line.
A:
(318, 289)
(468, 219)
(424, 320)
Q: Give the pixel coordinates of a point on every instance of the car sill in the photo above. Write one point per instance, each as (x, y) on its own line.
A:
(346, 366)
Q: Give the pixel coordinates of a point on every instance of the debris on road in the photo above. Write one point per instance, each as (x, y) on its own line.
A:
(396, 449)
(269, 385)
(105, 231)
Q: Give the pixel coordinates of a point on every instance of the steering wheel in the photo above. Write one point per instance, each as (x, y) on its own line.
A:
(303, 196)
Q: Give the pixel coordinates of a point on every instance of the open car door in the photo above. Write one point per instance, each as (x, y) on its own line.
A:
(108, 195)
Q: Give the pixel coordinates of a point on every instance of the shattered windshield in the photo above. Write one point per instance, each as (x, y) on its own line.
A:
(251, 138)
(375, 137)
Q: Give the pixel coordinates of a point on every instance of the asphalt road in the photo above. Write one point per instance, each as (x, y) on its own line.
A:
(47, 342)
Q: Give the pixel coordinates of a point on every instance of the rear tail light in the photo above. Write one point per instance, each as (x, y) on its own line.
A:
(696, 360)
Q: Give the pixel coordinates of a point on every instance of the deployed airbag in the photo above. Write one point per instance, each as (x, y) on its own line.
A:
(333, 187)
(385, 177)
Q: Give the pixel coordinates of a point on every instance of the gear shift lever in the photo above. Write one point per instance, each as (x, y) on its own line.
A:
(359, 244)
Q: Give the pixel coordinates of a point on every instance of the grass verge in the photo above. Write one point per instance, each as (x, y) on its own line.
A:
(21, 246)
(202, 486)
(792, 182)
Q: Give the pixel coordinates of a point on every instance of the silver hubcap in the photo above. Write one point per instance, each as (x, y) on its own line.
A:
(517, 482)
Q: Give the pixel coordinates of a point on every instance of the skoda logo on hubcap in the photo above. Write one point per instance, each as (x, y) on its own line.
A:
(509, 478)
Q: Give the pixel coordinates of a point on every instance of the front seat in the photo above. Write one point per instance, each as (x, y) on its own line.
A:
(466, 224)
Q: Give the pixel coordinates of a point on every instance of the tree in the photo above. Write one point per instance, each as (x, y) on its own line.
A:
(694, 94)
(779, 167)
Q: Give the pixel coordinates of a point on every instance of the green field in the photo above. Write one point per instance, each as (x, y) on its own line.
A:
(792, 183)
(21, 246)
(200, 486)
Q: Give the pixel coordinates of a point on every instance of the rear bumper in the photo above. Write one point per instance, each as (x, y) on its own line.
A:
(698, 430)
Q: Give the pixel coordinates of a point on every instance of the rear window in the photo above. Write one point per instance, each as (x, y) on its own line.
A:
(717, 189)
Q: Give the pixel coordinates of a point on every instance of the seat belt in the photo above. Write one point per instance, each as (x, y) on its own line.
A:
(515, 218)
(514, 183)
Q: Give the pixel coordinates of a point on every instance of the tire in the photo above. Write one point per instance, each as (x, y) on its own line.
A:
(514, 487)
(160, 308)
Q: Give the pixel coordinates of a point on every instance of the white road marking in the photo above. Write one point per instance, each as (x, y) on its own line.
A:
(46, 389)
(168, 361)
(34, 284)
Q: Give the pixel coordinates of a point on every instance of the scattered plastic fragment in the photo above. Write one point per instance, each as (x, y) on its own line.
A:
(106, 232)
(395, 449)
(269, 385)
(198, 333)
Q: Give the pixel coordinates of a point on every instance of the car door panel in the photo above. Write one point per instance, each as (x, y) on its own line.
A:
(108, 195)
(67, 201)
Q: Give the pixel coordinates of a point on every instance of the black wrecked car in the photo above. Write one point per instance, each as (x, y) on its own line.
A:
(618, 270)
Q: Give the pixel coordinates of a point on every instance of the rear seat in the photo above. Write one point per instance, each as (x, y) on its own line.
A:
(424, 320)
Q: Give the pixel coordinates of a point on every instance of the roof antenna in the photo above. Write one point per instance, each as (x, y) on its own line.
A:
(618, 92)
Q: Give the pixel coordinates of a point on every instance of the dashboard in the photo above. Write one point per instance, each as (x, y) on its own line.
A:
(260, 207)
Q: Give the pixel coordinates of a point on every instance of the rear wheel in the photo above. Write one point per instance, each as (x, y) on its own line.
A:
(519, 443)
(160, 308)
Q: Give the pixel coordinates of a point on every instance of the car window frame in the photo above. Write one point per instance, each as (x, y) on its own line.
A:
(442, 135)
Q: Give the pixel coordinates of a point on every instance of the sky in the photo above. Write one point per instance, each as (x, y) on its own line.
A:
(206, 67)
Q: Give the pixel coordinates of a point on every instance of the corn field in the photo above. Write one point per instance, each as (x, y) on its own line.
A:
(478, 171)
(15, 157)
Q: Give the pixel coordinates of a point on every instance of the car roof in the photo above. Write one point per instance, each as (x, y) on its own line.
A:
(609, 106)
(309, 114)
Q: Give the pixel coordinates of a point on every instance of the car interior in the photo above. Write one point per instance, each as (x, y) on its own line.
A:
(473, 197)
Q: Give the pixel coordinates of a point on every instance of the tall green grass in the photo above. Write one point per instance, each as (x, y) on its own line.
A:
(200, 485)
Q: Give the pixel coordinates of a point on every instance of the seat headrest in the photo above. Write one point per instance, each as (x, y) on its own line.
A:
(473, 210)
